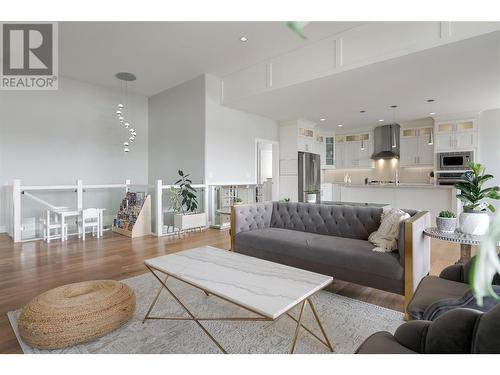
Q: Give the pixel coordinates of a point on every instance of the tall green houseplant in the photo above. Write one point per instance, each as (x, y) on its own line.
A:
(189, 202)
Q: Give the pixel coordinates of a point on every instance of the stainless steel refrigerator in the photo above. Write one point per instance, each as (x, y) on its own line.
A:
(309, 175)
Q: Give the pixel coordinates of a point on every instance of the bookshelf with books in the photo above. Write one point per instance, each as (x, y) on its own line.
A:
(133, 218)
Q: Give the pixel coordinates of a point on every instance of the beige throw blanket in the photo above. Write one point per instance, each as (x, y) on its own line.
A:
(385, 238)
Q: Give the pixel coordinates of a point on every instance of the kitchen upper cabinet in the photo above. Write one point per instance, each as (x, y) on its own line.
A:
(415, 148)
(353, 151)
(339, 152)
(306, 140)
(328, 161)
(456, 135)
(425, 150)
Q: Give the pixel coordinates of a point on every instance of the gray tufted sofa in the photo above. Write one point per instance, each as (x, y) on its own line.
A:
(333, 240)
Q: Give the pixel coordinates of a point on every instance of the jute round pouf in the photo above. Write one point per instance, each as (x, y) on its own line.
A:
(76, 313)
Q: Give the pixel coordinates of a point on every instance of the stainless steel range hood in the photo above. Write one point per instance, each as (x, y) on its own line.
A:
(386, 142)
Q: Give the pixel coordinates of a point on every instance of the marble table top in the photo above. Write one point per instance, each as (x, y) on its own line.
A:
(267, 288)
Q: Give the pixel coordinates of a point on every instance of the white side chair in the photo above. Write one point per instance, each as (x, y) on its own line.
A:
(89, 218)
(51, 223)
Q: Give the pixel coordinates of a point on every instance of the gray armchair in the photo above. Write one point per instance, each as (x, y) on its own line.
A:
(436, 295)
(460, 331)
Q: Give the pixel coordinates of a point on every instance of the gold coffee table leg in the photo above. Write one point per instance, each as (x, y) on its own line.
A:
(154, 300)
(296, 334)
(316, 316)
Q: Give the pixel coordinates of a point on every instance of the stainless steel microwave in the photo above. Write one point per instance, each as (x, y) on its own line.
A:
(454, 160)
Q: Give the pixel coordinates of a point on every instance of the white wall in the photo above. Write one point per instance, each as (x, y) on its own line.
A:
(489, 145)
(177, 132)
(56, 137)
(230, 139)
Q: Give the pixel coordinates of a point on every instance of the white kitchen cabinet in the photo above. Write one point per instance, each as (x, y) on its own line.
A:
(339, 152)
(305, 144)
(425, 155)
(456, 135)
(415, 148)
(354, 151)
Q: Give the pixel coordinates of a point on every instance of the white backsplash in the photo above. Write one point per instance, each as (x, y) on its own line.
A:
(385, 170)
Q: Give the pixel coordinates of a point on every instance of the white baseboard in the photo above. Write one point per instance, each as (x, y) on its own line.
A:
(3, 229)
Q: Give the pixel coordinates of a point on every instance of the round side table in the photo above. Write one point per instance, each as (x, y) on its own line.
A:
(465, 240)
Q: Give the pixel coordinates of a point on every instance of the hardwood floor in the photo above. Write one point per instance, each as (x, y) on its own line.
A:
(27, 269)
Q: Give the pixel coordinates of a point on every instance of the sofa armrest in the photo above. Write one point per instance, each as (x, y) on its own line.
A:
(417, 253)
(468, 301)
(455, 272)
(247, 217)
(412, 335)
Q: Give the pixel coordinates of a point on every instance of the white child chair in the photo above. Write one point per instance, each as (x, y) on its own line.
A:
(90, 218)
(51, 223)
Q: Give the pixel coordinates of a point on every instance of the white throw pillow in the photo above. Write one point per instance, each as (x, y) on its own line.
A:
(385, 238)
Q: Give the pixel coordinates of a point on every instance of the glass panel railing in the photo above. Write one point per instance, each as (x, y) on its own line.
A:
(33, 210)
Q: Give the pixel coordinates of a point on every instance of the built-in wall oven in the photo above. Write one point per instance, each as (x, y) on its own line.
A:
(452, 165)
(449, 178)
(449, 161)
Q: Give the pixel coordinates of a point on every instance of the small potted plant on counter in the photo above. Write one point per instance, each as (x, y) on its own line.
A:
(187, 216)
(446, 222)
(475, 219)
(237, 201)
(311, 194)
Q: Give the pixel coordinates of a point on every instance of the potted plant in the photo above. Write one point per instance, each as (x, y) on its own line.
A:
(311, 194)
(446, 222)
(237, 201)
(185, 204)
(475, 219)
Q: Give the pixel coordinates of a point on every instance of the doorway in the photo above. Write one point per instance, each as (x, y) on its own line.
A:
(267, 166)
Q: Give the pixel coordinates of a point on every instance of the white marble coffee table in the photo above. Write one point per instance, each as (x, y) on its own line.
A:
(267, 289)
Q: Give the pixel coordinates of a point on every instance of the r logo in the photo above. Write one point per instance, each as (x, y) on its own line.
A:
(27, 49)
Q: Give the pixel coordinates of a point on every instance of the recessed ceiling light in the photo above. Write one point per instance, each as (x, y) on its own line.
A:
(381, 120)
(340, 125)
(243, 39)
(322, 119)
(432, 113)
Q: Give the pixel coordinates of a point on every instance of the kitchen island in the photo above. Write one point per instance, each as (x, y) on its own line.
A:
(416, 196)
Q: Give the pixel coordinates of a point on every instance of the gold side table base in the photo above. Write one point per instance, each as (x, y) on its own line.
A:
(325, 341)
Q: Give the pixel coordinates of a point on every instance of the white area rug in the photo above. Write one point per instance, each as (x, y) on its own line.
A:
(347, 322)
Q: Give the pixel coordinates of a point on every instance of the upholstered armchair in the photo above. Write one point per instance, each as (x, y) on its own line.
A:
(459, 331)
(436, 295)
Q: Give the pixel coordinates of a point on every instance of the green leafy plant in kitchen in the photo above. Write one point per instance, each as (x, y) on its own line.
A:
(188, 194)
(311, 190)
(286, 199)
(471, 192)
(238, 200)
(447, 214)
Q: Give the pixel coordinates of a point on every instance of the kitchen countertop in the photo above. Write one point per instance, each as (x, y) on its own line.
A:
(394, 186)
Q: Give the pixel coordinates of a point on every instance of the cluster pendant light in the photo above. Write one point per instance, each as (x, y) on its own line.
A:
(123, 113)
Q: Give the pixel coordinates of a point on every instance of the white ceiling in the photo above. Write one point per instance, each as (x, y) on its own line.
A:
(461, 77)
(164, 54)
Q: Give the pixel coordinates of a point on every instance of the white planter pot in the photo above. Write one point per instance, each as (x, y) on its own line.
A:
(190, 221)
(446, 224)
(476, 223)
(311, 198)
